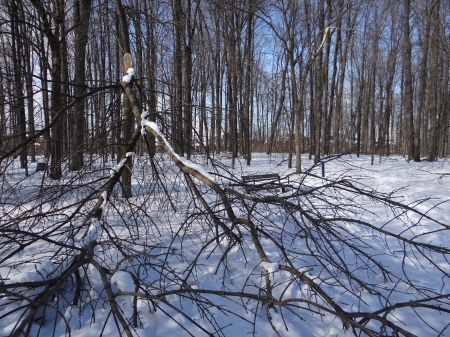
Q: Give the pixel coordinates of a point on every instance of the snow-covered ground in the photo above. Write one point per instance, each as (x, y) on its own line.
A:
(191, 284)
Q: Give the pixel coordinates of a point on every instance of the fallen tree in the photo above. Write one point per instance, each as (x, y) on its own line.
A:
(74, 252)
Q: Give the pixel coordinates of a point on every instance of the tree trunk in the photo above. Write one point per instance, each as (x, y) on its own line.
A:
(359, 116)
(320, 82)
(434, 80)
(422, 89)
(82, 9)
(187, 109)
(151, 72)
(248, 97)
(218, 88)
(408, 99)
(389, 98)
(57, 131)
(276, 118)
(45, 98)
(128, 117)
(19, 101)
(28, 73)
(3, 120)
(177, 122)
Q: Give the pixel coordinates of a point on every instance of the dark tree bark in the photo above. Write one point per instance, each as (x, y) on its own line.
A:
(344, 52)
(3, 126)
(392, 60)
(321, 75)
(128, 118)
(117, 135)
(177, 120)
(187, 108)
(218, 74)
(408, 99)
(328, 107)
(151, 70)
(276, 118)
(445, 114)
(24, 56)
(233, 62)
(434, 80)
(422, 90)
(82, 10)
(53, 36)
(64, 88)
(334, 84)
(290, 13)
(248, 97)
(19, 100)
(359, 113)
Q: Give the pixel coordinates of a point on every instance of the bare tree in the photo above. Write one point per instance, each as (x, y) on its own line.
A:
(82, 12)
(79, 249)
(320, 220)
(408, 81)
(52, 33)
(127, 120)
(434, 80)
(18, 104)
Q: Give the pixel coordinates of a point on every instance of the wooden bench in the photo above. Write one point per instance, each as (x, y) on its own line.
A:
(41, 167)
(257, 182)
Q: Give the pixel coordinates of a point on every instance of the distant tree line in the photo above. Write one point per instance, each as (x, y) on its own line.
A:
(317, 77)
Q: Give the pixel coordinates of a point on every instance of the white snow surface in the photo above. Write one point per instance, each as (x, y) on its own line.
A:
(123, 281)
(414, 181)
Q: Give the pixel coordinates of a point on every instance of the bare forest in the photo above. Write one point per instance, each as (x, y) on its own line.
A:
(133, 135)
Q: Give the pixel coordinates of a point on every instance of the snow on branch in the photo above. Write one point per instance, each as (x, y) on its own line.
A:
(185, 165)
(270, 267)
(130, 74)
(117, 168)
(105, 199)
(92, 233)
(186, 162)
(143, 122)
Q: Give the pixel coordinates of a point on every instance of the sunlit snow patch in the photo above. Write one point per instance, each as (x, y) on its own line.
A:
(123, 280)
